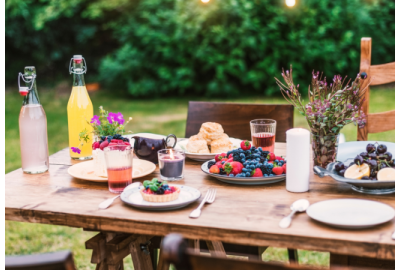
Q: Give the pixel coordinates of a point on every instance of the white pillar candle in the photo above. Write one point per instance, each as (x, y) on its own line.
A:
(298, 160)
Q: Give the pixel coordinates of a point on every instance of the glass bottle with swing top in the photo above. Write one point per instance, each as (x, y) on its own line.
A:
(32, 126)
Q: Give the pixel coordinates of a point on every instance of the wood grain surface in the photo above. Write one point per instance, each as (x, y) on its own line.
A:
(247, 215)
(379, 74)
(235, 117)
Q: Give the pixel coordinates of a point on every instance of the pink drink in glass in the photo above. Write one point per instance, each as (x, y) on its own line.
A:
(119, 167)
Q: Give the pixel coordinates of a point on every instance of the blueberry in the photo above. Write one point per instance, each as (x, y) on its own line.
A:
(252, 167)
(223, 162)
(257, 159)
(231, 175)
(247, 174)
(259, 149)
(271, 174)
(243, 160)
(265, 175)
(276, 160)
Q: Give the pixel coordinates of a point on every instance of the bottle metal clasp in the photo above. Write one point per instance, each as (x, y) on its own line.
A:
(79, 71)
(23, 90)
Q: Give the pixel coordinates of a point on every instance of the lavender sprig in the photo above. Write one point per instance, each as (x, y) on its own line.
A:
(331, 106)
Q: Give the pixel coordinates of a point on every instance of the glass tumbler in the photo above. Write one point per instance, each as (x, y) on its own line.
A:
(119, 167)
(172, 163)
(263, 133)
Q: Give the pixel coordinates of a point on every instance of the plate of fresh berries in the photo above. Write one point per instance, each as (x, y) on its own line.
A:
(246, 165)
(372, 171)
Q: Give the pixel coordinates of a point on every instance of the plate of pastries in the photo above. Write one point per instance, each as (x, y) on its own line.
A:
(210, 140)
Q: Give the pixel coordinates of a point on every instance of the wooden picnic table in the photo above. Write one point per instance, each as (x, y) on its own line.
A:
(246, 215)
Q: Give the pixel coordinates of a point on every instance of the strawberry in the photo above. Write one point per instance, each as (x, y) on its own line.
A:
(230, 156)
(114, 140)
(257, 173)
(233, 167)
(277, 170)
(214, 169)
(224, 159)
(167, 191)
(229, 160)
(279, 158)
(95, 145)
(284, 168)
(271, 156)
(218, 157)
(245, 145)
(219, 164)
(103, 144)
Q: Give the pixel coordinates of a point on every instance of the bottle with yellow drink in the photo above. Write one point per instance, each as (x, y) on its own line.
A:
(80, 111)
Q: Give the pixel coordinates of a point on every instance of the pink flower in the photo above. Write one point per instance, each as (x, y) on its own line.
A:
(95, 120)
(119, 118)
(110, 117)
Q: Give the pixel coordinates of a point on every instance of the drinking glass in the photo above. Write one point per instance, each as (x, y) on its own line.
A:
(119, 167)
(263, 133)
(172, 163)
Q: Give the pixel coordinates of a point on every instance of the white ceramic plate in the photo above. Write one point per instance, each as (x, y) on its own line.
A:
(187, 196)
(351, 213)
(246, 181)
(85, 170)
(352, 149)
(203, 157)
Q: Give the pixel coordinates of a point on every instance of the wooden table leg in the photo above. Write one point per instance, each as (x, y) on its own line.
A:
(293, 256)
(216, 248)
(141, 260)
(355, 261)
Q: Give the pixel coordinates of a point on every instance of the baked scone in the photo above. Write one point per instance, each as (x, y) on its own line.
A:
(197, 145)
(222, 145)
(211, 131)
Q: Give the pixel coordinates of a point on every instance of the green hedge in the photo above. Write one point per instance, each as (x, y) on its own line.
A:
(175, 47)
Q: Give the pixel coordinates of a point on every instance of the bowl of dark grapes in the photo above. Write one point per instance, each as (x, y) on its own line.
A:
(370, 171)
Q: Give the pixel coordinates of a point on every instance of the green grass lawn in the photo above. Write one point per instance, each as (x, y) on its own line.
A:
(161, 116)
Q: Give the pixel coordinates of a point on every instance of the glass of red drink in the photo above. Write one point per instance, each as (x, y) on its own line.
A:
(263, 133)
(119, 167)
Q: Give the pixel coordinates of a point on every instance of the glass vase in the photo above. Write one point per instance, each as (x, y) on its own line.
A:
(324, 149)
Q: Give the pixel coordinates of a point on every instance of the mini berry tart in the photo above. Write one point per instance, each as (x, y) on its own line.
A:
(157, 191)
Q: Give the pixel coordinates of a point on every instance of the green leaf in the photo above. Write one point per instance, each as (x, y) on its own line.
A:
(146, 183)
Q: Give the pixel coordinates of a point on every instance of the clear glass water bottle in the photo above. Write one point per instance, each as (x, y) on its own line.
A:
(32, 126)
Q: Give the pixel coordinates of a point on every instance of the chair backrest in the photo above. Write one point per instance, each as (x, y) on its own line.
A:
(380, 74)
(61, 260)
(235, 117)
(174, 251)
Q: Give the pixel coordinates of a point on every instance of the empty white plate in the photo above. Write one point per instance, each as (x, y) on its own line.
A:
(351, 213)
(186, 197)
(85, 170)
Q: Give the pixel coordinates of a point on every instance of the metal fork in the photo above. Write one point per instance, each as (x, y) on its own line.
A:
(209, 198)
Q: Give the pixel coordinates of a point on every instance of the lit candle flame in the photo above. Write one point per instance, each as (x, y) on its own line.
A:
(171, 155)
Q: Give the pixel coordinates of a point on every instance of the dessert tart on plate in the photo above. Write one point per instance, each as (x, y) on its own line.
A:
(157, 191)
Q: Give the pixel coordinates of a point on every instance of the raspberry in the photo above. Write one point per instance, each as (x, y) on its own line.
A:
(95, 145)
(167, 192)
(103, 144)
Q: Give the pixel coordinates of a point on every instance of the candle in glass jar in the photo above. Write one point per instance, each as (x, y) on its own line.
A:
(298, 160)
(171, 164)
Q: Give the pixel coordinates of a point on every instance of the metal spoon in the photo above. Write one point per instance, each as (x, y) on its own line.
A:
(108, 202)
(298, 206)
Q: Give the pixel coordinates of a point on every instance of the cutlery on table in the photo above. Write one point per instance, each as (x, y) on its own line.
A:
(105, 204)
(209, 198)
(298, 206)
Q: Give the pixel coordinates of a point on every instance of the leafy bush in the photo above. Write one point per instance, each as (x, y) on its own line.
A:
(225, 47)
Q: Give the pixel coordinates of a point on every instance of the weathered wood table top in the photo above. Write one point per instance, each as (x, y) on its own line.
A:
(246, 215)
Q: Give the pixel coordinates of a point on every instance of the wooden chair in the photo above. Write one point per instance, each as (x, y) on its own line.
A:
(174, 250)
(235, 117)
(61, 260)
(380, 74)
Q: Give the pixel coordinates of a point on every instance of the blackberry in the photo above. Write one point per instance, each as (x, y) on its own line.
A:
(265, 154)
(210, 163)
(236, 157)
(265, 170)
(103, 138)
(125, 139)
(221, 171)
(262, 159)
